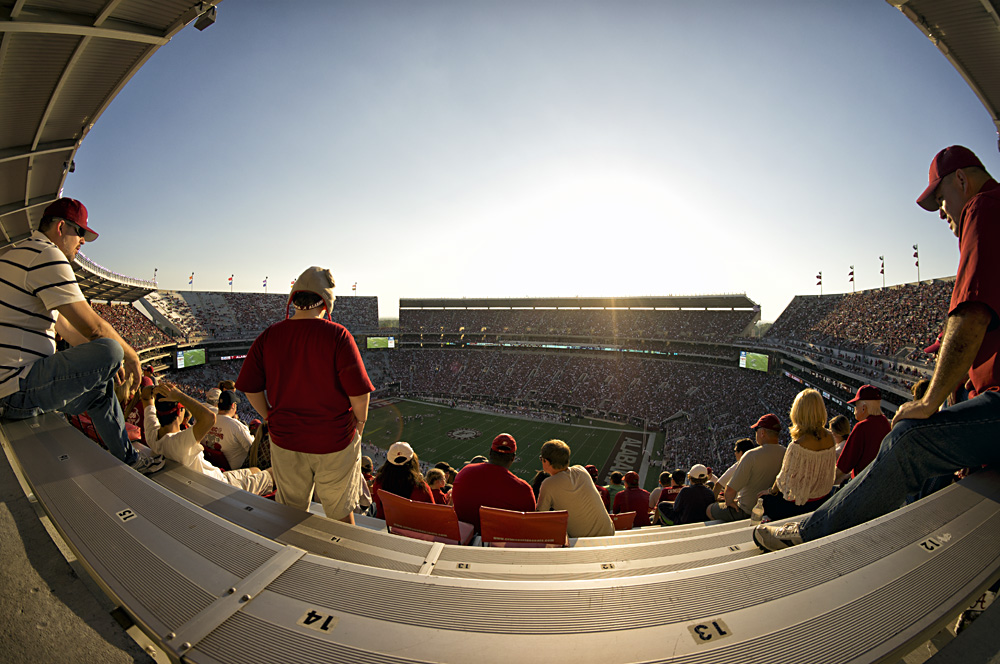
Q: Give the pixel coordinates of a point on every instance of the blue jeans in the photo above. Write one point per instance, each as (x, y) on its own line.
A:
(77, 380)
(965, 435)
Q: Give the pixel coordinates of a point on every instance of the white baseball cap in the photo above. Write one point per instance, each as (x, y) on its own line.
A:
(698, 471)
(399, 453)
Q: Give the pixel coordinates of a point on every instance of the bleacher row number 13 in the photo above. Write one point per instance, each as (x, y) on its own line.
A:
(709, 631)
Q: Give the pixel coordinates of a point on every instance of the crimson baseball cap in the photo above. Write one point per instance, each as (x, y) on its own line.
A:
(73, 211)
(769, 421)
(945, 163)
(632, 478)
(592, 469)
(867, 393)
(504, 443)
(936, 346)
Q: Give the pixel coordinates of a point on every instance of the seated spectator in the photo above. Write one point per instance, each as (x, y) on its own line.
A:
(603, 490)
(436, 481)
(164, 436)
(614, 485)
(228, 434)
(449, 474)
(866, 436)
(212, 397)
(671, 484)
(491, 484)
(400, 474)
(633, 499)
(840, 427)
(754, 473)
(743, 445)
(571, 488)
(692, 501)
(809, 466)
(536, 483)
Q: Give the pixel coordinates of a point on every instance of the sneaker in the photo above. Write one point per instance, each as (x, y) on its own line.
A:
(147, 465)
(775, 538)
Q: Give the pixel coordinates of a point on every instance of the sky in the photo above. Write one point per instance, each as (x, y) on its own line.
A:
(525, 148)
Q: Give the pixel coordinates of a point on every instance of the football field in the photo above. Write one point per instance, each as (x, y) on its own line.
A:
(440, 433)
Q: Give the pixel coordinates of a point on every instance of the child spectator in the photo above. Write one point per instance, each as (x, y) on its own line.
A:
(400, 474)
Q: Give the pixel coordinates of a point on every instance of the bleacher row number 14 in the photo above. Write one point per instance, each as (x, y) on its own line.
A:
(709, 631)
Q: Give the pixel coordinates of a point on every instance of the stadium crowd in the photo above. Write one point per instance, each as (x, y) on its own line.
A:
(135, 328)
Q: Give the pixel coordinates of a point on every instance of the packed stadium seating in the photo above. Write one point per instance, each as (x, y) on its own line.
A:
(218, 315)
(694, 325)
(135, 328)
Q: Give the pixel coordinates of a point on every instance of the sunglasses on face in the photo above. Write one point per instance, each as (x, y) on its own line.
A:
(76, 229)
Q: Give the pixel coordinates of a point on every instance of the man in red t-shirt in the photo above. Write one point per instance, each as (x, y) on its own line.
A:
(633, 499)
(491, 484)
(305, 377)
(866, 436)
(927, 440)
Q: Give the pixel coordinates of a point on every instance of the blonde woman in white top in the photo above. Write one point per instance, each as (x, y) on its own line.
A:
(809, 468)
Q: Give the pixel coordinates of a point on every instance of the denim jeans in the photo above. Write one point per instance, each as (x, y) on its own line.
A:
(965, 435)
(77, 380)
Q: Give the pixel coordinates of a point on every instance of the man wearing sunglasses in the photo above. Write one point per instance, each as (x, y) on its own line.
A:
(40, 297)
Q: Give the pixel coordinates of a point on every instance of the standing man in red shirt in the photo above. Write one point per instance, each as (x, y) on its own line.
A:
(927, 440)
(491, 484)
(866, 436)
(305, 377)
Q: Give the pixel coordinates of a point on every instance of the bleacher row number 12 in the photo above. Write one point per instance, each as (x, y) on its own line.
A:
(709, 631)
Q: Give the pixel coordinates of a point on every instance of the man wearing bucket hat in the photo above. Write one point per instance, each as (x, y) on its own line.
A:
(927, 440)
(305, 377)
(39, 298)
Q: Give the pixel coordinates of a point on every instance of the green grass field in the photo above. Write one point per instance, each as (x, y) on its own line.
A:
(590, 443)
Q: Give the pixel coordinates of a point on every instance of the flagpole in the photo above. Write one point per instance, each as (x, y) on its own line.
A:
(882, 258)
(854, 284)
(265, 285)
(916, 255)
(231, 283)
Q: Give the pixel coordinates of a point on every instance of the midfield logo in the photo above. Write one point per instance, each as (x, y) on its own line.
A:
(464, 434)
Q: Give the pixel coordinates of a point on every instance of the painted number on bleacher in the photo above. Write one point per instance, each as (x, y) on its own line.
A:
(125, 515)
(63, 457)
(709, 632)
(462, 565)
(318, 621)
(934, 543)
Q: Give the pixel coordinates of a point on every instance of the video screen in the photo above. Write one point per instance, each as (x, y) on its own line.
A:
(381, 342)
(755, 361)
(190, 358)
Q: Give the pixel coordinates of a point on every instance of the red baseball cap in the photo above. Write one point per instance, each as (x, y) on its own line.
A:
(936, 346)
(769, 421)
(867, 393)
(632, 478)
(73, 211)
(945, 163)
(504, 443)
(592, 469)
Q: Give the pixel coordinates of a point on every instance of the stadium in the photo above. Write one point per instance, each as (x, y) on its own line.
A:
(633, 383)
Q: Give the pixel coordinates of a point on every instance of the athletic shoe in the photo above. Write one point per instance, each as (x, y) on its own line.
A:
(147, 465)
(775, 538)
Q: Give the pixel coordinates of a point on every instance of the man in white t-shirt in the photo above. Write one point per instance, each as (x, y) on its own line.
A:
(229, 435)
(165, 436)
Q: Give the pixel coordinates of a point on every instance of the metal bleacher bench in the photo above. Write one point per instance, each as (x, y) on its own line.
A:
(212, 574)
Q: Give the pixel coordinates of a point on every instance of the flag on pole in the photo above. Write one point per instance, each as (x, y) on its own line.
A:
(882, 258)
(231, 280)
(191, 279)
(355, 287)
(819, 279)
(265, 282)
(851, 275)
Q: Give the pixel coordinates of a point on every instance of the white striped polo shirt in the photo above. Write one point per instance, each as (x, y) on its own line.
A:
(35, 278)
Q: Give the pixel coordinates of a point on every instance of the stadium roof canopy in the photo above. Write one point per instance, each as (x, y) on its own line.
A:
(967, 32)
(734, 301)
(62, 62)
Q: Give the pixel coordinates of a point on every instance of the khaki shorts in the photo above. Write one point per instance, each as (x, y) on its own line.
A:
(335, 478)
(243, 478)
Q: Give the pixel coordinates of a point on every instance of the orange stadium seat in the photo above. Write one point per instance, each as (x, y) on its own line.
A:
(426, 521)
(509, 528)
(623, 521)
